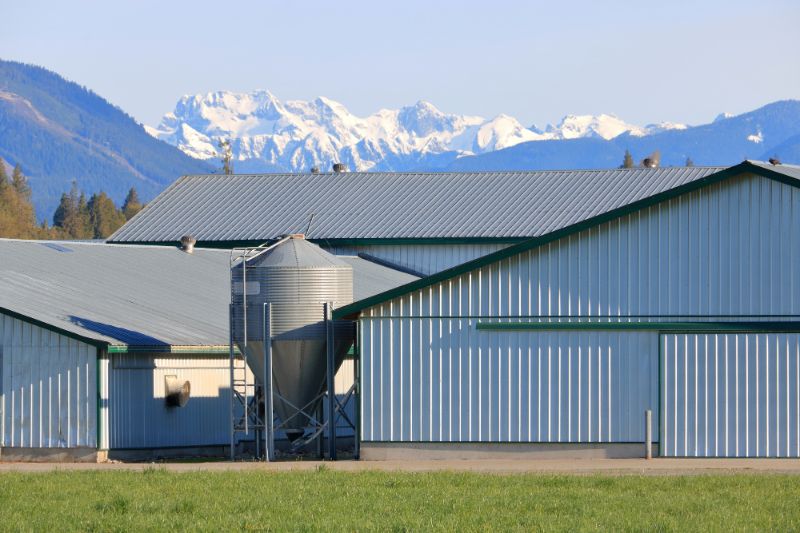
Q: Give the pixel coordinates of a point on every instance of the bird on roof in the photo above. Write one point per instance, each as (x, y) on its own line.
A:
(774, 161)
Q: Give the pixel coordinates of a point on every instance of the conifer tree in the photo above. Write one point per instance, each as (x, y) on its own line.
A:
(104, 215)
(689, 162)
(17, 216)
(72, 215)
(20, 183)
(132, 204)
(627, 161)
(226, 156)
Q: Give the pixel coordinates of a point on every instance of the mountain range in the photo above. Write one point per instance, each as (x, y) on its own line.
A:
(59, 131)
(267, 134)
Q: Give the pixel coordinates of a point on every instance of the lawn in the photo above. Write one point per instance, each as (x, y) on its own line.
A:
(325, 500)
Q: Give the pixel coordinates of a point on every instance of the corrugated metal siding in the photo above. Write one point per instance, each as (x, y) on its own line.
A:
(728, 249)
(442, 380)
(133, 413)
(423, 258)
(134, 409)
(48, 394)
(731, 395)
(393, 205)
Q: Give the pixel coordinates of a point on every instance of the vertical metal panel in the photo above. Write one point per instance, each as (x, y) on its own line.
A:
(707, 254)
(713, 252)
(488, 386)
(136, 410)
(134, 414)
(48, 388)
(424, 258)
(731, 395)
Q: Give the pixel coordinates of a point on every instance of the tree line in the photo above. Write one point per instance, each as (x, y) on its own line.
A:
(76, 217)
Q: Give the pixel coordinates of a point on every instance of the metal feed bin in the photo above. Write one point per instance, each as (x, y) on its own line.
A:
(280, 296)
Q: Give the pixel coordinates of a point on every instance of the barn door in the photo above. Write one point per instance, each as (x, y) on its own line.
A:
(730, 395)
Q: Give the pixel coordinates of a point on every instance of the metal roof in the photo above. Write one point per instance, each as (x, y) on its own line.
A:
(788, 174)
(136, 295)
(361, 205)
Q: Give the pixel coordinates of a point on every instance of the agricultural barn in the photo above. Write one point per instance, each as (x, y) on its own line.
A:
(424, 223)
(97, 341)
(685, 303)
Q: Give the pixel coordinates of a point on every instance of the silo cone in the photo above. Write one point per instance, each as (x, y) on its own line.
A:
(297, 278)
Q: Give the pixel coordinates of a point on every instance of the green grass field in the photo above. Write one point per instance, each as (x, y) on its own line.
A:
(339, 501)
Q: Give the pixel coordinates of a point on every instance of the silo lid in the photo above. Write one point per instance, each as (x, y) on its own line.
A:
(297, 253)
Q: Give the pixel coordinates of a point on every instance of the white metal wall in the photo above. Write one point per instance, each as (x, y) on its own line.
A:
(443, 380)
(731, 395)
(133, 409)
(48, 391)
(133, 413)
(424, 258)
(728, 249)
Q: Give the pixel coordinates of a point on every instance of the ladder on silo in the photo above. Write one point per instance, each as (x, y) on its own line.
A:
(245, 416)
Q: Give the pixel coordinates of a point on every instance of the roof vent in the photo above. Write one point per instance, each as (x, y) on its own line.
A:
(187, 243)
(339, 167)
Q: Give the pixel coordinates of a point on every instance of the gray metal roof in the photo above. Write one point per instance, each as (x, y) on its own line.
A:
(793, 171)
(136, 295)
(363, 205)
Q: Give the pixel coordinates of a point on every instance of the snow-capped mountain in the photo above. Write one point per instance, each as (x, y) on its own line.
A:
(267, 134)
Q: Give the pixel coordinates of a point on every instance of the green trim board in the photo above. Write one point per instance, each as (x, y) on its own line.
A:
(743, 168)
(221, 349)
(660, 327)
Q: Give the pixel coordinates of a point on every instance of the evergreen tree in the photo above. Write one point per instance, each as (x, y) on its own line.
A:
(689, 162)
(17, 216)
(20, 183)
(104, 215)
(226, 156)
(72, 215)
(132, 204)
(627, 161)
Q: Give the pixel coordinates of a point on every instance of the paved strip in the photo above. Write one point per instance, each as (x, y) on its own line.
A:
(541, 466)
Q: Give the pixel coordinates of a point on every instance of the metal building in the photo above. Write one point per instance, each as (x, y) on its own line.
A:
(423, 222)
(92, 336)
(683, 300)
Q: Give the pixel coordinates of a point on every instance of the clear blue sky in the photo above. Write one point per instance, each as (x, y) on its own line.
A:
(645, 61)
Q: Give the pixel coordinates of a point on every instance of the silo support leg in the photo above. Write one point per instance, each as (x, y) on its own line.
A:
(330, 382)
(269, 419)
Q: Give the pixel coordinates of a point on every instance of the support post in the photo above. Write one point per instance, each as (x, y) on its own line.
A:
(330, 382)
(232, 384)
(269, 426)
(648, 434)
(321, 438)
(357, 395)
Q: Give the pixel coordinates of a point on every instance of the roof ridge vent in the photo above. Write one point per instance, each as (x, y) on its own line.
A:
(187, 243)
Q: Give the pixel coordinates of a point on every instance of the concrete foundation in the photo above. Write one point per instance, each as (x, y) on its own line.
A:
(425, 451)
(51, 455)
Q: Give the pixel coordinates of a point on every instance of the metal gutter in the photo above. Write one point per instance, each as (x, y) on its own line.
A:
(660, 327)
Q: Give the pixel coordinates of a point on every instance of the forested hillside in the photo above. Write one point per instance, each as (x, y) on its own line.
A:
(60, 132)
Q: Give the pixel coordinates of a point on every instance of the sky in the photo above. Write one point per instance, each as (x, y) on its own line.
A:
(677, 60)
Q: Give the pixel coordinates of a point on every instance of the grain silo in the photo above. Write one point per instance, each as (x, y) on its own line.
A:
(280, 298)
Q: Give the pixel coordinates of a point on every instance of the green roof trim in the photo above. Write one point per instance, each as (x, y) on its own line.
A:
(44, 325)
(750, 326)
(746, 167)
(165, 348)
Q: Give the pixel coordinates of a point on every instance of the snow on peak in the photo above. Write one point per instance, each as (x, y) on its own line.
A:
(295, 134)
(723, 116)
(603, 126)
